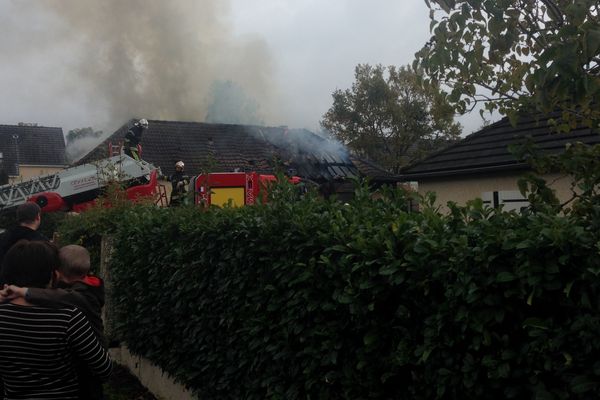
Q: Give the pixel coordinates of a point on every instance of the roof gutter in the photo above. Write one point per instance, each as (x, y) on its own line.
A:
(468, 171)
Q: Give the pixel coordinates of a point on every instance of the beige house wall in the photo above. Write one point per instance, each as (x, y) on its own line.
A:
(29, 171)
(461, 189)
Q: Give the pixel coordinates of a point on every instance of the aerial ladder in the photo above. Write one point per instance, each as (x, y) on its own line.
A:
(77, 188)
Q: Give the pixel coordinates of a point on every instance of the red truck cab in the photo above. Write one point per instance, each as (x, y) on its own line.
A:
(236, 188)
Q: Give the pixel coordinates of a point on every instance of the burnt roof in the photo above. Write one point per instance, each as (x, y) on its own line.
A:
(31, 145)
(487, 151)
(225, 148)
(373, 171)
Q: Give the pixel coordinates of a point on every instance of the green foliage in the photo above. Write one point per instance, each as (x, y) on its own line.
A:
(388, 117)
(314, 299)
(516, 56)
(87, 229)
(51, 223)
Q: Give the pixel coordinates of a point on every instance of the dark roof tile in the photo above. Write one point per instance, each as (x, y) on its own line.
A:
(224, 148)
(31, 145)
(374, 171)
(487, 150)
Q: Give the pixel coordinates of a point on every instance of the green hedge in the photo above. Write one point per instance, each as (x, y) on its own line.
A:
(315, 299)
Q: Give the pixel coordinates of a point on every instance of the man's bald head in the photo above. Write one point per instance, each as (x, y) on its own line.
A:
(74, 261)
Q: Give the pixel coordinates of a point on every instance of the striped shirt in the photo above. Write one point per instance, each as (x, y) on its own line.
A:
(37, 347)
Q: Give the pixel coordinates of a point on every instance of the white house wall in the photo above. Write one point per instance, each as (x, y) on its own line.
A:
(461, 190)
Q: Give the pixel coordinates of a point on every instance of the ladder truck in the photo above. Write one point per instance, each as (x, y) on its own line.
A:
(77, 188)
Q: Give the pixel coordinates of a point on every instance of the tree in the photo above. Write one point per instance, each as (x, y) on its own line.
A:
(389, 117)
(533, 56)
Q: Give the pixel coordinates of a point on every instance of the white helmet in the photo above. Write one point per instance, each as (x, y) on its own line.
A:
(179, 164)
(143, 122)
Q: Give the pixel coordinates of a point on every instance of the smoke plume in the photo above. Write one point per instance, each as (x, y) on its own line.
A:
(230, 105)
(155, 59)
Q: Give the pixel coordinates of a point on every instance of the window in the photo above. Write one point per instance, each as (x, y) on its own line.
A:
(510, 199)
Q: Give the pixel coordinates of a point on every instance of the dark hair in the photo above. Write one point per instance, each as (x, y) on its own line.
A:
(28, 212)
(29, 264)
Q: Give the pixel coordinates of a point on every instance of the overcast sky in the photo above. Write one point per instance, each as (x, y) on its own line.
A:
(288, 55)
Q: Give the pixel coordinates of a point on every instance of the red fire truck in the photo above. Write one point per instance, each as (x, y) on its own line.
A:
(77, 188)
(235, 188)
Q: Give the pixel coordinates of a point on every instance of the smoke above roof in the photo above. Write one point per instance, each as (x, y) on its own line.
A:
(175, 60)
(151, 58)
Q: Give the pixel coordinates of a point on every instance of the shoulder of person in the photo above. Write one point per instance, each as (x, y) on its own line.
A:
(16, 233)
(40, 236)
(73, 311)
(5, 236)
(69, 311)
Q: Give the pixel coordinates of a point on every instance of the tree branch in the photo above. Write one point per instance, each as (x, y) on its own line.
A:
(557, 11)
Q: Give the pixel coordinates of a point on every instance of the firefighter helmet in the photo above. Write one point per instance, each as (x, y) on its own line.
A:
(179, 164)
(143, 122)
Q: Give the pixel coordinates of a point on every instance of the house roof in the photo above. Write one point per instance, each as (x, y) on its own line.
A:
(31, 145)
(373, 171)
(487, 150)
(226, 148)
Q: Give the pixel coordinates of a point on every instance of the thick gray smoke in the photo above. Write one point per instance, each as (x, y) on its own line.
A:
(230, 105)
(151, 58)
(156, 59)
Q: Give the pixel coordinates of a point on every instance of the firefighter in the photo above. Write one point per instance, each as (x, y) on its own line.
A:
(179, 182)
(133, 137)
